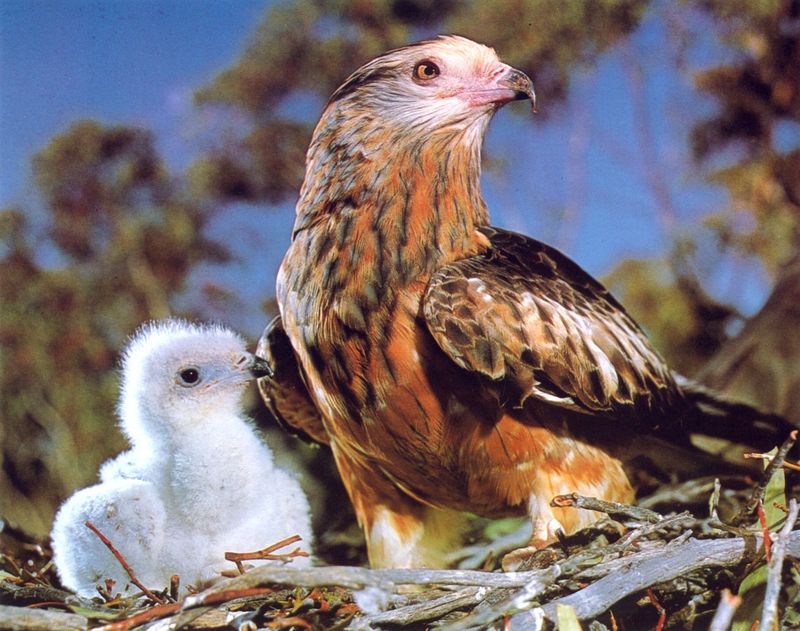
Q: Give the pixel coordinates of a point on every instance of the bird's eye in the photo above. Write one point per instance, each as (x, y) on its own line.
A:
(188, 377)
(426, 70)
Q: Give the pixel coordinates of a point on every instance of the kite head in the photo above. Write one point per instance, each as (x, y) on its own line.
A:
(445, 83)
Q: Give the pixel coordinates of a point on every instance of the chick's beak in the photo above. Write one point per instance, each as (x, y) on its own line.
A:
(259, 367)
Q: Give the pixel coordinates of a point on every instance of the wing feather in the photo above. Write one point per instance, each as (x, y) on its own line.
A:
(285, 393)
(525, 315)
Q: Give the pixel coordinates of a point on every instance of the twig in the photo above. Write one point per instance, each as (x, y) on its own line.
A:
(615, 510)
(123, 563)
(226, 595)
(760, 488)
(154, 613)
(23, 618)
(658, 566)
(624, 545)
(293, 621)
(520, 601)
(427, 610)
(728, 604)
(787, 464)
(770, 611)
(359, 578)
(106, 590)
(266, 553)
(762, 518)
(161, 611)
(688, 492)
(662, 613)
(592, 563)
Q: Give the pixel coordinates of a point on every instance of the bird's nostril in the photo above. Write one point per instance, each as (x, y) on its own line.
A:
(243, 359)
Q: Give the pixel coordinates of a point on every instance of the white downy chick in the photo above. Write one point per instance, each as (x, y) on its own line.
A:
(197, 481)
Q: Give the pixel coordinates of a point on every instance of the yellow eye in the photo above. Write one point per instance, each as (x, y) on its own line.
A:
(426, 70)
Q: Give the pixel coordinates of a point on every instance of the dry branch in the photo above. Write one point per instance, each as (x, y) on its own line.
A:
(520, 601)
(267, 553)
(118, 555)
(22, 619)
(615, 510)
(359, 578)
(647, 569)
(770, 611)
(588, 564)
(758, 491)
(154, 613)
(723, 616)
(426, 610)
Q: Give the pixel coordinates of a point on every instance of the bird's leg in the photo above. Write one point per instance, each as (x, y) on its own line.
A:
(548, 520)
(400, 531)
(415, 536)
(545, 531)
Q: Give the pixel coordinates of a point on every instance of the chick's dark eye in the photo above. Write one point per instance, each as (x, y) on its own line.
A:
(426, 70)
(188, 376)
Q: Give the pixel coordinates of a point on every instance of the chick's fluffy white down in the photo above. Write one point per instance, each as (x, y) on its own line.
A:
(197, 481)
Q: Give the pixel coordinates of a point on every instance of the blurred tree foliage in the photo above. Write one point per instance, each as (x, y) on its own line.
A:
(750, 145)
(758, 106)
(125, 240)
(305, 48)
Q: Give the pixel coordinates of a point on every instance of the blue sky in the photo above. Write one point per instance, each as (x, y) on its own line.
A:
(122, 61)
(138, 62)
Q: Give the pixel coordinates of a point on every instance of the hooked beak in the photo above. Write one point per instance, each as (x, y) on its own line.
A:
(506, 85)
(521, 85)
(259, 367)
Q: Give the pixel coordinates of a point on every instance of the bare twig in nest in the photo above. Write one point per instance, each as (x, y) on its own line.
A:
(226, 595)
(520, 601)
(174, 587)
(762, 518)
(162, 611)
(662, 613)
(267, 553)
(154, 613)
(359, 578)
(293, 621)
(25, 618)
(658, 566)
(787, 464)
(760, 488)
(118, 555)
(615, 510)
(589, 564)
(106, 590)
(426, 610)
(770, 609)
(728, 604)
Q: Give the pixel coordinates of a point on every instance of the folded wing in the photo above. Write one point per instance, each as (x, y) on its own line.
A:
(527, 317)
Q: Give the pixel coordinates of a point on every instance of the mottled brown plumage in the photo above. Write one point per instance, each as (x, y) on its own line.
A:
(450, 365)
(284, 391)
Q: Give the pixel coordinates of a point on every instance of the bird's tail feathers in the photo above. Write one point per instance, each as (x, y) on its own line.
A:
(724, 417)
